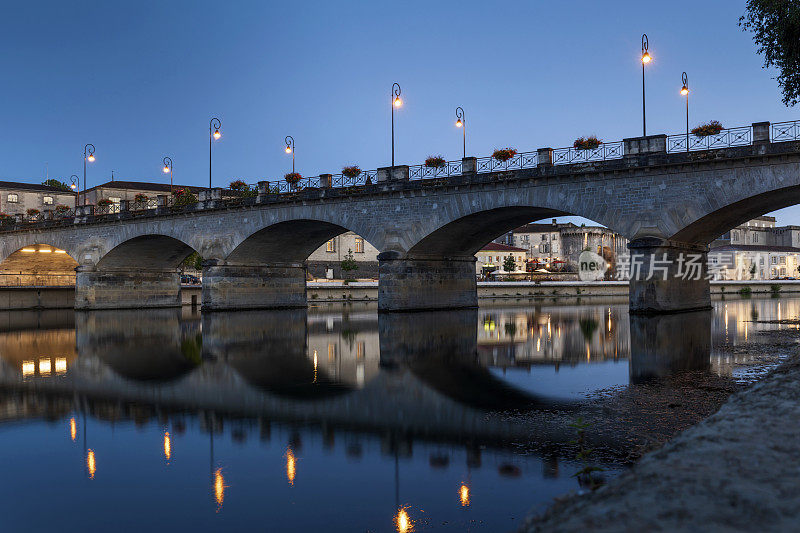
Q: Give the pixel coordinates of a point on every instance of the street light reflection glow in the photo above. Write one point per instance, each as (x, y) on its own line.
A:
(403, 522)
(463, 494)
(219, 488)
(73, 429)
(646, 58)
(291, 464)
(167, 446)
(91, 466)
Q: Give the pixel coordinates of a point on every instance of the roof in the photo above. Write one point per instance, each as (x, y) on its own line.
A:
(143, 186)
(20, 186)
(536, 228)
(754, 248)
(497, 247)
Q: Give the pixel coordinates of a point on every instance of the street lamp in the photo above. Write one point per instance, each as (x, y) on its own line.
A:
(75, 186)
(168, 170)
(88, 155)
(396, 102)
(462, 123)
(646, 58)
(289, 140)
(213, 134)
(685, 92)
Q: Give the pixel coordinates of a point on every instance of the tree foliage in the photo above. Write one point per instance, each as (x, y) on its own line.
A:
(349, 264)
(776, 31)
(509, 264)
(52, 182)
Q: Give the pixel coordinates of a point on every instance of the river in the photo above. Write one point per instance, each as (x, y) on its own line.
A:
(334, 418)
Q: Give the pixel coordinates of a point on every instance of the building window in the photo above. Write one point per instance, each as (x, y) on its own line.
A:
(331, 246)
(755, 237)
(359, 245)
(774, 260)
(554, 238)
(13, 198)
(47, 200)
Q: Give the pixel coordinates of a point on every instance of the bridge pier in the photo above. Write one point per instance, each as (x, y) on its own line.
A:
(667, 276)
(426, 284)
(126, 289)
(269, 286)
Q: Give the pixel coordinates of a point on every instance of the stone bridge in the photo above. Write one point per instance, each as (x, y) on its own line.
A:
(427, 230)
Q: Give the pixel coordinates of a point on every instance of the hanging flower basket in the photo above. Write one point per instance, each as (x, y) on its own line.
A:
(183, 197)
(711, 128)
(292, 178)
(33, 213)
(435, 161)
(104, 202)
(351, 172)
(140, 198)
(238, 185)
(587, 143)
(504, 154)
(60, 209)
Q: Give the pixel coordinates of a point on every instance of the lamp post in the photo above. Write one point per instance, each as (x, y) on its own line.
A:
(168, 170)
(396, 102)
(88, 155)
(75, 186)
(462, 123)
(213, 134)
(645, 60)
(289, 140)
(685, 92)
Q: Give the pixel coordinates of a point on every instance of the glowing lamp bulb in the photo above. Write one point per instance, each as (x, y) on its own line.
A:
(166, 169)
(91, 158)
(397, 101)
(72, 186)
(217, 134)
(646, 58)
(459, 123)
(685, 90)
(288, 149)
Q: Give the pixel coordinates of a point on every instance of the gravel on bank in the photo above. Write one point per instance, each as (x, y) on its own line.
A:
(739, 470)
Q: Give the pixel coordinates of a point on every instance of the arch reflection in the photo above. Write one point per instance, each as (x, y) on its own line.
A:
(141, 345)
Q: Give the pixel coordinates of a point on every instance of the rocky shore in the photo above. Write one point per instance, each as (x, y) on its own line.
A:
(737, 470)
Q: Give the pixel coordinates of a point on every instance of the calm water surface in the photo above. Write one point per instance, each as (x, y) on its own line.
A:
(334, 419)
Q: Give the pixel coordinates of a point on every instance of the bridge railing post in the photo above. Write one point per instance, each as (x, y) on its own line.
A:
(326, 181)
(544, 157)
(651, 144)
(469, 165)
(396, 173)
(761, 132)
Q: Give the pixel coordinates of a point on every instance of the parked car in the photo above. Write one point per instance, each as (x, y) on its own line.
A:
(189, 279)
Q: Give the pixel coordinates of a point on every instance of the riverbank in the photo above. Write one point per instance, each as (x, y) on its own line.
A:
(737, 470)
(337, 291)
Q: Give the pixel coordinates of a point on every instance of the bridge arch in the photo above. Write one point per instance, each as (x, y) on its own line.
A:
(38, 265)
(152, 251)
(708, 226)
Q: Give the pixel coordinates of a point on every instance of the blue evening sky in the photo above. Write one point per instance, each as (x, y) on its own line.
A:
(141, 80)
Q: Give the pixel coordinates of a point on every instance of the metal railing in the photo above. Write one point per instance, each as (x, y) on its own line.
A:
(604, 152)
(519, 161)
(726, 138)
(778, 132)
(422, 172)
(785, 131)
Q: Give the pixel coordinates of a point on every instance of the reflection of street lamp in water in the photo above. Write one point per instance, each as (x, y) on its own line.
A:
(91, 466)
(291, 463)
(219, 488)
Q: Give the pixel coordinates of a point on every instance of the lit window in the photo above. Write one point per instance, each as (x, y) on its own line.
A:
(359, 245)
(13, 198)
(360, 350)
(330, 246)
(47, 200)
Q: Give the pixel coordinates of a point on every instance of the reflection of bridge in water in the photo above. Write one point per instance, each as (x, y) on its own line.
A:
(420, 375)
